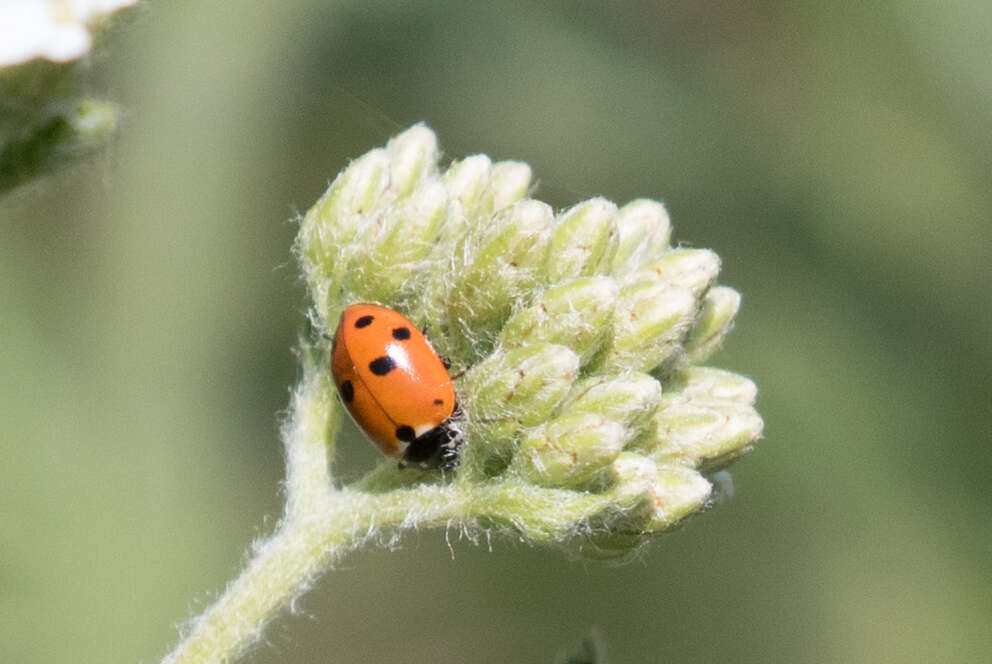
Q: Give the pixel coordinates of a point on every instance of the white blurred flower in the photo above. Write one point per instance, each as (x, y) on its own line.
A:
(56, 30)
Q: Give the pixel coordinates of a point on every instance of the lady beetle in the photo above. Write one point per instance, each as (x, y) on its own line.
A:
(394, 384)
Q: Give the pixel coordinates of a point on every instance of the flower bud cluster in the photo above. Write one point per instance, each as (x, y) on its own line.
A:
(578, 333)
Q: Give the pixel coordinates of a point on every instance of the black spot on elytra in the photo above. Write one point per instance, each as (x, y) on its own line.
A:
(364, 321)
(401, 333)
(347, 391)
(438, 402)
(406, 433)
(381, 366)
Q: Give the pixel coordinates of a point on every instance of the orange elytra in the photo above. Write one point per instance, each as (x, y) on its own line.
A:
(394, 384)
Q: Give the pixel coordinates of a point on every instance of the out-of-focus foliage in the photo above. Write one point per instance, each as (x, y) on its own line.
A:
(836, 158)
(46, 123)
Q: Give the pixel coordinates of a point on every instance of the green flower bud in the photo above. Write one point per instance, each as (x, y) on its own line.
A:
(390, 265)
(649, 498)
(512, 390)
(568, 451)
(611, 533)
(708, 382)
(649, 323)
(413, 159)
(466, 182)
(678, 492)
(700, 431)
(508, 183)
(583, 240)
(694, 269)
(629, 399)
(499, 266)
(385, 207)
(643, 231)
(715, 319)
(632, 479)
(576, 314)
(325, 243)
(337, 215)
(476, 188)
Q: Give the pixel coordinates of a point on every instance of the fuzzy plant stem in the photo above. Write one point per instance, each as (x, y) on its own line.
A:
(286, 565)
(296, 551)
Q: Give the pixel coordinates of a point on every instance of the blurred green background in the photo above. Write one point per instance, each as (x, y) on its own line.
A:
(836, 155)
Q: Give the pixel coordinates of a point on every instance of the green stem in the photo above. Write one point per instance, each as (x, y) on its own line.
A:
(297, 553)
(294, 554)
(308, 543)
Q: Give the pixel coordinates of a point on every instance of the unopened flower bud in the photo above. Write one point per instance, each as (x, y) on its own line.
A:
(714, 321)
(694, 269)
(576, 314)
(629, 399)
(678, 492)
(325, 242)
(392, 257)
(476, 189)
(512, 390)
(466, 182)
(508, 183)
(612, 532)
(643, 230)
(633, 477)
(500, 263)
(649, 498)
(709, 382)
(568, 451)
(413, 158)
(700, 431)
(582, 241)
(336, 217)
(649, 322)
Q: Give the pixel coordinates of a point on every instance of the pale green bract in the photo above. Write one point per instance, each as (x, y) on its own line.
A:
(576, 338)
